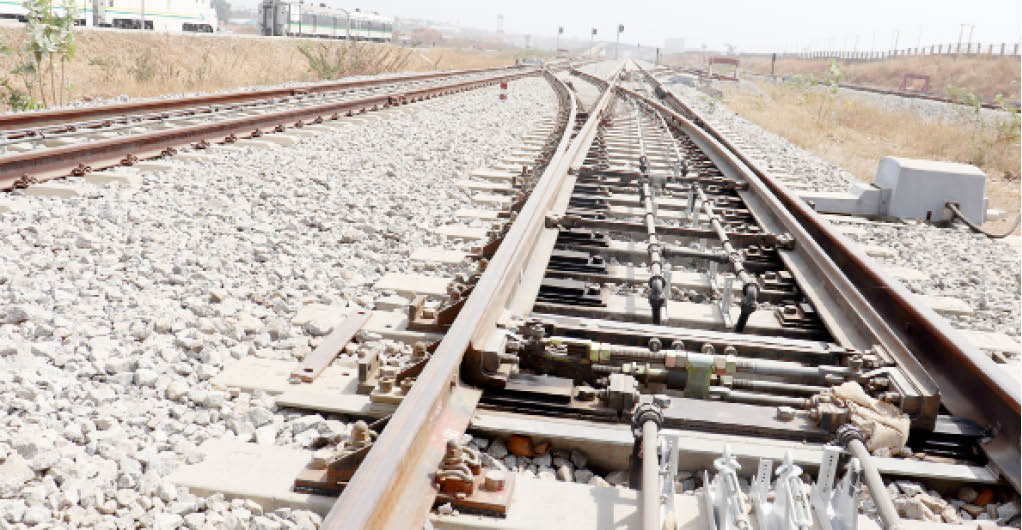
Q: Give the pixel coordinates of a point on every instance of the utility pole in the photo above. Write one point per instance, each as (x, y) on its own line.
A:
(972, 27)
(300, 2)
(897, 33)
(592, 39)
(620, 30)
(557, 42)
(961, 30)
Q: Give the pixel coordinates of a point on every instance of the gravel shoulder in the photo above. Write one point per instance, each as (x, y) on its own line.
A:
(121, 305)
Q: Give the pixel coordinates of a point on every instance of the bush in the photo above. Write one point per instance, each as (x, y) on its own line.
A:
(50, 37)
(332, 61)
(144, 67)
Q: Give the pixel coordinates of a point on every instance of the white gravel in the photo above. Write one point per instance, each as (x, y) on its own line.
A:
(961, 264)
(119, 307)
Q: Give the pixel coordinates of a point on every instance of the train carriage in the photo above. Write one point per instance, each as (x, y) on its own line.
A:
(284, 18)
(159, 15)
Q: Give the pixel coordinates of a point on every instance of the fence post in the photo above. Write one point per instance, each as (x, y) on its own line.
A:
(1016, 49)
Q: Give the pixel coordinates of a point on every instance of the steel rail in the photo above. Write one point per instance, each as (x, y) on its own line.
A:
(970, 383)
(392, 487)
(58, 162)
(22, 119)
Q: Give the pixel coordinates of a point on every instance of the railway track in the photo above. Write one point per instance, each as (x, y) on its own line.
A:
(645, 296)
(651, 259)
(39, 146)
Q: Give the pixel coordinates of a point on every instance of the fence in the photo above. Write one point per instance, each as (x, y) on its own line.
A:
(968, 48)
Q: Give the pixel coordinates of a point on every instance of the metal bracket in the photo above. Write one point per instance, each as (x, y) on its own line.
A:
(723, 496)
(837, 508)
(790, 509)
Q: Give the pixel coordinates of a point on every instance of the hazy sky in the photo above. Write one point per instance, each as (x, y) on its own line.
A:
(764, 25)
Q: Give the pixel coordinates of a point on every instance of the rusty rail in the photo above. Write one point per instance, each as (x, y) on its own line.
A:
(52, 163)
(392, 488)
(970, 383)
(46, 117)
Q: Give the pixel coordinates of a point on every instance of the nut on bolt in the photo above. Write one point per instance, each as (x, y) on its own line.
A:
(494, 480)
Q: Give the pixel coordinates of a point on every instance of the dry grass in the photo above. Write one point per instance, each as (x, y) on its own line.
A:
(111, 63)
(855, 134)
(985, 76)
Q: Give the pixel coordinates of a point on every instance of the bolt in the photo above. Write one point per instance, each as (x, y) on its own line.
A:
(386, 385)
(785, 413)
(494, 480)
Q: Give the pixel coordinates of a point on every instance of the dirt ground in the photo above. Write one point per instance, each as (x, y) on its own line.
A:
(855, 133)
(986, 76)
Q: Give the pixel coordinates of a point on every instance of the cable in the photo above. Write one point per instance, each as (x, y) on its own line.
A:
(958, 213)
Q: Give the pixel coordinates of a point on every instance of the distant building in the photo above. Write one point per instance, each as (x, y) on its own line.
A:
(674, 45)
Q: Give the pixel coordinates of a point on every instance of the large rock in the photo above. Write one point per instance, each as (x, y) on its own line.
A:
(167, 521)
(318, 319)
(14, 473)
(497, 449)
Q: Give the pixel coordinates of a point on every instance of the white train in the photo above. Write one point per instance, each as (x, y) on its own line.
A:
(295, 18)
(159, 15)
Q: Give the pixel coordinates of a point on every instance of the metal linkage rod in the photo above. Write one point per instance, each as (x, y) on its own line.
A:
(647, 419)
(742, 365)
(750, 289)
(657, 282)
(852, 438)
(650, 477)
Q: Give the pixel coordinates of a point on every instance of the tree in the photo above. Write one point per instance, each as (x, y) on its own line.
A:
(223, 10)
(50, 37)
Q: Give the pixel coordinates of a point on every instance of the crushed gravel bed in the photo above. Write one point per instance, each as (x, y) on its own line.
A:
(121, 305)
(985, 273)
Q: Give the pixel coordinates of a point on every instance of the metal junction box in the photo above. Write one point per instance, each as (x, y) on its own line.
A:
(919, 189)
(906, 188)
